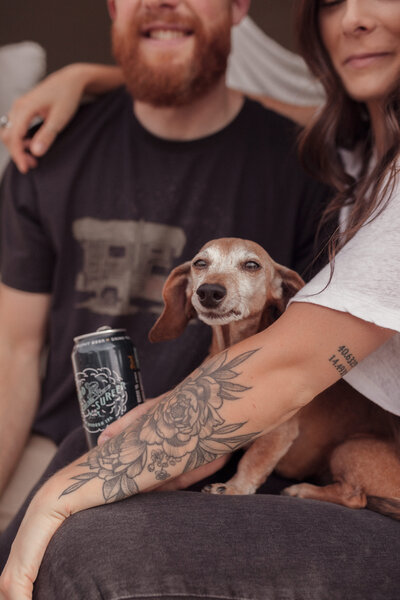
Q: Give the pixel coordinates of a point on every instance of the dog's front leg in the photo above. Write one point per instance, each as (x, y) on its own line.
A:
(259, 461)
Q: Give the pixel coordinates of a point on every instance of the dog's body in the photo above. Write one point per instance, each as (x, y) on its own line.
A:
(234, 286)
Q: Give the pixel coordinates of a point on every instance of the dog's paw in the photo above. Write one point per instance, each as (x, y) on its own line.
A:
(226, 489)
(301, 490)
(215, 488)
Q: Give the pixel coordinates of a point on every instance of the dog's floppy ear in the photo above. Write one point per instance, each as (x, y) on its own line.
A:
(178, 309)
(285, 284)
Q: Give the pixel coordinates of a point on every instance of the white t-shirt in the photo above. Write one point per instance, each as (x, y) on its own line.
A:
(366, 284)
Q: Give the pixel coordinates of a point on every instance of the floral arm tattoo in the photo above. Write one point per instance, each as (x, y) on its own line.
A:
(184, 426)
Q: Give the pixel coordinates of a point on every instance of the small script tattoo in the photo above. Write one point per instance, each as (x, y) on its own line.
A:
(343, 360)
(185, 425)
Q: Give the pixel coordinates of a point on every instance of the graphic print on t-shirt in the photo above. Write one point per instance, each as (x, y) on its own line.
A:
(124, 264)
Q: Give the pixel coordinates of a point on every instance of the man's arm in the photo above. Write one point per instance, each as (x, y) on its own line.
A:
(227, 402)
(23, 318)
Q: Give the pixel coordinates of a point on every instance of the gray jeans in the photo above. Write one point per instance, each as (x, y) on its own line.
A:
(176, 545)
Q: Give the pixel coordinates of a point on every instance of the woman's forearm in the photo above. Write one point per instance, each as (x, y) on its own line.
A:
(211, 413)
(228, 401)
(97, 79)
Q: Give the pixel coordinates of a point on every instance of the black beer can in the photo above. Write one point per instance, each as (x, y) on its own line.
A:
(107, 377)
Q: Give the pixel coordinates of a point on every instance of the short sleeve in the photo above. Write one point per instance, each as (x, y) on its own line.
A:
(366, 284)
(27, 256)
(366, 276)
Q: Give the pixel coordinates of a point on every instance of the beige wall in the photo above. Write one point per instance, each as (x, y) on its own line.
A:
(78, 30)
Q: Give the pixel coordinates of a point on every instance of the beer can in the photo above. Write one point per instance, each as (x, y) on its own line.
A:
(107, 377)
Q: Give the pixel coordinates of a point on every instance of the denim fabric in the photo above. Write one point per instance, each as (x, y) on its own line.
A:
(174, 545)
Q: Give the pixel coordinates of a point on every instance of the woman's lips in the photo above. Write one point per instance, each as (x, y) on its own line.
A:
(358, 61)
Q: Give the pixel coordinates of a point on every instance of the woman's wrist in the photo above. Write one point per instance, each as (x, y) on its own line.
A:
(47, 500)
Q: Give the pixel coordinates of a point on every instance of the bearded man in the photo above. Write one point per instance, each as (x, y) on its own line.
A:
(137, 183)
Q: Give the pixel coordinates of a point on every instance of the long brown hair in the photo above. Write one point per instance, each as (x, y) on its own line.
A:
(343, 123)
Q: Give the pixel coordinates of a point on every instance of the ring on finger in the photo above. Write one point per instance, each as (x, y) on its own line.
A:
(5, 122)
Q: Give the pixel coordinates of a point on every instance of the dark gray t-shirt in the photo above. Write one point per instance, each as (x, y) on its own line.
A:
(112, 209)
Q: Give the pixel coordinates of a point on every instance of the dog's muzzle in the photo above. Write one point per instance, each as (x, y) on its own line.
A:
(211, 294)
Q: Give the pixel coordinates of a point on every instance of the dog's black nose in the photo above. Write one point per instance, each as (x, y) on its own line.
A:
(211, 294)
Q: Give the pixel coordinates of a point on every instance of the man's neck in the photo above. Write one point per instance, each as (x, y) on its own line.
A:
(203, 117)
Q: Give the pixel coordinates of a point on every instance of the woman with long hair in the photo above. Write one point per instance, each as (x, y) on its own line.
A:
(361, 113)
(221, 547)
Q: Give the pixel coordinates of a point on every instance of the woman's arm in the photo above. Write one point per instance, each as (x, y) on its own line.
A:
(55, 100)
(226, 403)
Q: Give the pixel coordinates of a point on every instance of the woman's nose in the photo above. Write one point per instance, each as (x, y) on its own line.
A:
(358, 17)
(161, 3)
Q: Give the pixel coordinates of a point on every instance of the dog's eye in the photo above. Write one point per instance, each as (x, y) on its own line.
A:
(200, 264)
(251, 265)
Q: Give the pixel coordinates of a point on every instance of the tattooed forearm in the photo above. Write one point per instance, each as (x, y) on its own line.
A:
(343, 360)
(185, 425)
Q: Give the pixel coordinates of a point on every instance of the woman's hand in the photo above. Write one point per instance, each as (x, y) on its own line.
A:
(54, 101)
(40, 523)
(129, 418)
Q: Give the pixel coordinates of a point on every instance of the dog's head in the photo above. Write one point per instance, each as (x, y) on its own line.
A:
(230, 279)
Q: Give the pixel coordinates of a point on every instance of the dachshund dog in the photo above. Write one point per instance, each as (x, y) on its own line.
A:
(234, 286)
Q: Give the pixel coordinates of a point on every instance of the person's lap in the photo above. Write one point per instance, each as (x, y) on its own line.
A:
(192, 545)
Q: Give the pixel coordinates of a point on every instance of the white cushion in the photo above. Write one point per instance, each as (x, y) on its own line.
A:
(21, 67)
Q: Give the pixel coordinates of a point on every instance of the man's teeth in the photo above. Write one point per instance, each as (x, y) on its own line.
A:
(166, 34)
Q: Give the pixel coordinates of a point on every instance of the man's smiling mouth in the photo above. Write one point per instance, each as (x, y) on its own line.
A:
(164, 31)
(166, 34)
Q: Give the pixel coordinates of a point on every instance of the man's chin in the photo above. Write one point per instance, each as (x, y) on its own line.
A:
(161, 99)
(163, 84)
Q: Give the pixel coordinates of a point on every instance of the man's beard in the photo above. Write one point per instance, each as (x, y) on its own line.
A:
(164, 83)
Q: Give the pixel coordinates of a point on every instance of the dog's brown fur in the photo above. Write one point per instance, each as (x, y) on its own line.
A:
(340, 434)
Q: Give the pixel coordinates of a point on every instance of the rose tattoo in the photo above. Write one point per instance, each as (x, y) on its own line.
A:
(184, 426)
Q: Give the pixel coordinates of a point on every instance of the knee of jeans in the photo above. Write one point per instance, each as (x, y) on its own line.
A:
(67, 571)
(66, 544)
